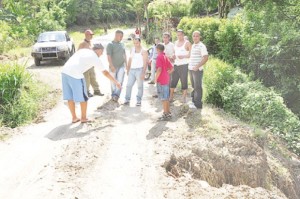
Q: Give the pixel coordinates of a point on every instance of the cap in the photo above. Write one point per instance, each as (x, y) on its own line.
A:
(97, 46)
(179, 30)
(88, 32)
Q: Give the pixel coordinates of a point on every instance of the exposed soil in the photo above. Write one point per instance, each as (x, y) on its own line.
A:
(126, 153)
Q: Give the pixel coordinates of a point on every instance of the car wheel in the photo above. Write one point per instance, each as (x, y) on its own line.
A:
(37, 61)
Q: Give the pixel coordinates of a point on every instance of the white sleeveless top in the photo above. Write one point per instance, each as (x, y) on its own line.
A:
(179, 51)
(136, 59)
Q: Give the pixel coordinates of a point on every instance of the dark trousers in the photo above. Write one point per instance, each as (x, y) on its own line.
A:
(196, 80)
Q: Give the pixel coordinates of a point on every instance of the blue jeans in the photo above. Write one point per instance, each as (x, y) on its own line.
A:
(135, 74)
(119, 76)
(196, 80)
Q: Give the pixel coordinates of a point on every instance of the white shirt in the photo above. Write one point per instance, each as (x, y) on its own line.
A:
(81, 61)
(197, 52)
(169, 50)
(137, 60)
(181, 51)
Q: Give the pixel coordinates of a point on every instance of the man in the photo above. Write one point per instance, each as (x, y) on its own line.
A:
(117, 61)
(169, 47)
(136, 68)
(89, 75)
(198, 57)
(182, 52)
(153, 57)
(73, 84)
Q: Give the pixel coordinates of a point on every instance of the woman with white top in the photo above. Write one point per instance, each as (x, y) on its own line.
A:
(136, 68)
(182, 50)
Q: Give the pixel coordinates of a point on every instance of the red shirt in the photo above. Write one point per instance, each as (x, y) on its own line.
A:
(164, 63)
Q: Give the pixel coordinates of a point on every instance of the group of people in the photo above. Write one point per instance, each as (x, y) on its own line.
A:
(169, 64)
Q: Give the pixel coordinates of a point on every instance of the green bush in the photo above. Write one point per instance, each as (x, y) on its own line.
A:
(219, 75)
(19, 95)
(207, 26)
(252, 102)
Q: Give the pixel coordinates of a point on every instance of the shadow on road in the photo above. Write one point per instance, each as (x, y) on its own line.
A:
(157, 130)
(67, 131)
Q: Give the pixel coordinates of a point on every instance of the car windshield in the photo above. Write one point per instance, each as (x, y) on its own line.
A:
(52, 37)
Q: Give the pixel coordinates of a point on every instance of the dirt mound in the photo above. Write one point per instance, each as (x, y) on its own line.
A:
(225, 153)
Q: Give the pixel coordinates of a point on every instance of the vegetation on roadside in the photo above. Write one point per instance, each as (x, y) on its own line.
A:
(20, 95)
(250, 101)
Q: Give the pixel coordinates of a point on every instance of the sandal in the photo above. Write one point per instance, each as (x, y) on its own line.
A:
(76, 120)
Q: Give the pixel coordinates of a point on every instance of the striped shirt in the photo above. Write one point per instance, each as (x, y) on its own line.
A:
(197, 52)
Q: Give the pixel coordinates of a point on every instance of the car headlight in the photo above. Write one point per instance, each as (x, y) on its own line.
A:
(62, 48)
(36, 49)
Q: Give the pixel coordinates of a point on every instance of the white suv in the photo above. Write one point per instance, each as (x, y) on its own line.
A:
(52, 45)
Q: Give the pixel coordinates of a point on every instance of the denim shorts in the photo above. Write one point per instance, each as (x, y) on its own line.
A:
(74, 89)
(163, 91)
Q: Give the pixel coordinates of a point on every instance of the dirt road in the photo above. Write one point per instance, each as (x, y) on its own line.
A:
(123, 153)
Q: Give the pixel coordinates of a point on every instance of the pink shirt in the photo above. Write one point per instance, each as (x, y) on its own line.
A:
(164, 63)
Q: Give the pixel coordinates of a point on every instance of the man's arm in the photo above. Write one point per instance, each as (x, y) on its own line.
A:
(203, 61)
(145, 61)
(111, 78)
(109, 59)
(157, 74)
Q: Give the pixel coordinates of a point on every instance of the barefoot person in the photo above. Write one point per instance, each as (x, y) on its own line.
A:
(73, 83)
(163, 70)
(89, 75)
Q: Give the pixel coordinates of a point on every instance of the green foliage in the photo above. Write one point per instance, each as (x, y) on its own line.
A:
(6, 41)
(199, 7)
(229, 41)
(254, 103)
(19, 95)
(219, 75)
(207, 27)
(227, 87)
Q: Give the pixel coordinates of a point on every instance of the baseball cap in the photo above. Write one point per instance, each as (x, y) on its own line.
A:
(97, 46)
(89, 31)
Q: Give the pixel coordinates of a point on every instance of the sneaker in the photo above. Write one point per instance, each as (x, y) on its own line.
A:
(165, 117)
(98, 93)
(115, 98)
(192, 106)
(169, 115)
(126, 103)
(90, 94)
(151, 82)
(138, 103)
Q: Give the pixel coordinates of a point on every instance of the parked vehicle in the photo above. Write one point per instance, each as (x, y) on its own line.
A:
(53, 45)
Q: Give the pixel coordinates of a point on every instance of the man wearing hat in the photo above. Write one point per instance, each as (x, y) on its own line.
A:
(90, 76)
(73, 83)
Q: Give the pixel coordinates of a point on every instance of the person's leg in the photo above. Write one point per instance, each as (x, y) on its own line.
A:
(71, 105)
(198, 88)
(192, 82)
(140, 84)
(94, 83)
(183, 75)
(130, 83)
(112, 85)
(87, 78)
(174, 82)
(83, 107)
(153, 69)
(120, 78)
